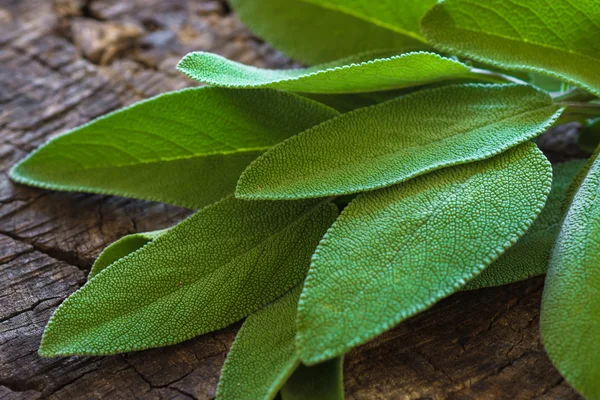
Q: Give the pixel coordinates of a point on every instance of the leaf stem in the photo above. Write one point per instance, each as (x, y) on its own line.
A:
(495, 77)
(576, 94)
(581, 108)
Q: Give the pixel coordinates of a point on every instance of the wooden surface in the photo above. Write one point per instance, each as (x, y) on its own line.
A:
(64, 62)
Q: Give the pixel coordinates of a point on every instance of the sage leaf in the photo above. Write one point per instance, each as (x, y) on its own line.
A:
(349, 102)
(122, 248)
(589, 137)
(530, 255)
(406, 70)
(214, 268)
(323, 381)
(570, 316)
(313, 34)
(392, 142)
(263, 355)
(186, 148)
(402, 17)
(557, 38)
(394, 252)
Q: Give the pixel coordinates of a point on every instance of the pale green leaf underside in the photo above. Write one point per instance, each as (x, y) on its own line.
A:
(400, 16)
(555, 37)
(530, 255)
(396, 251)
(186, 148)
(570, 317)
(263, 355)
(406, 70)
(323, 381)
(314, 34)
(391, 142)
(122, 248)
(214, 268)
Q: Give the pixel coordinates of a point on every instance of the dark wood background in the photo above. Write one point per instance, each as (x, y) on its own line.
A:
(64, 62)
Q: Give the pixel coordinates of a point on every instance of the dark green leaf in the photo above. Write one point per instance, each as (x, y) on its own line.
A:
(406, 70)
(530, 255)
(323, 381)
(570, 318)
(557, 37)
(396, 251)
(397, 140)
(263, 355)
(216, 267)
(186, 148)
(314, 34)
(122, 248)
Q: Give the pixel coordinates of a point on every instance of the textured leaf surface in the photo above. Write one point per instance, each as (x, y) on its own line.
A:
(570, 318)
(320, 382)
(400, 16)
(186, 148)
(397, 140)
(531, 254)
(314, 34)
(214, 268)
(121, 248)
(556, 37)
(263, 355)
(396, 251)
(396, 72)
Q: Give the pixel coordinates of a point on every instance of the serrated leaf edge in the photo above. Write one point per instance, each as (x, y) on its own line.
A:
(365, 337)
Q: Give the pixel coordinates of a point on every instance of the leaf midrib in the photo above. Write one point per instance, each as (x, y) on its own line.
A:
(169, 159)
(270, 238)
(529, 42)
(442, 198)
(374, 21)
(301, 75)
(342, 166)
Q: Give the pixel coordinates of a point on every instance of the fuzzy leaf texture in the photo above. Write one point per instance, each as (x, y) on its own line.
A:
(122, 248)
(406, 70)
(530, 255)
(186, 148)
(391, 142)
(396, 251)
(555, 37)
(263, 360)
(323, 381)
(400, 16)
(216, 267)
(570, 317)
(263, 355)
(314, 34)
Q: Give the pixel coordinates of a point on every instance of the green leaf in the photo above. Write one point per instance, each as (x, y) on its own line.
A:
(406, 70)
(396, 251)
(402, 17)
(397, 140)
(558, 38)
(589, 137)
(263, 355)
(530, 255)
(570, 317)
(323, 381)
(122, 248)
(216, 267)
(186, 148)
(314, 34)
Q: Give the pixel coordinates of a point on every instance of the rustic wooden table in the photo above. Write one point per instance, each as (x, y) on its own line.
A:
(64, 62)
